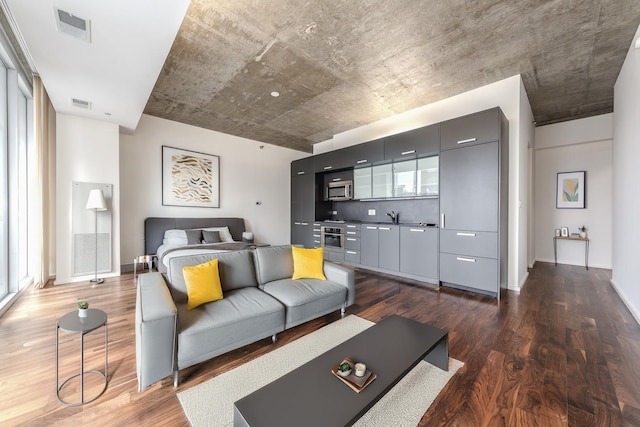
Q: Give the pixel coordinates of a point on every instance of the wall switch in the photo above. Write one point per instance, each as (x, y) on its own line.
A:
(372, 212)
(334, 212)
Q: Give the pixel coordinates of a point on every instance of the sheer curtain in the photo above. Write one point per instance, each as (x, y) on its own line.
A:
(45, 182)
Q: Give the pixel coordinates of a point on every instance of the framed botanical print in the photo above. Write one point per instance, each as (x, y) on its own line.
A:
(570, 190)
(190, 178)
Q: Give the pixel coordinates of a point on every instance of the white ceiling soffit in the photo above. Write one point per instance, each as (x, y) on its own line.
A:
(115, 68)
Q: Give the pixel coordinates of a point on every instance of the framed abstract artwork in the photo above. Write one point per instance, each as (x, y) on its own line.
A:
(190, 178)
(570, 190)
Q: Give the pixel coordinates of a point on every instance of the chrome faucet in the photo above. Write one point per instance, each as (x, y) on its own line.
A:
(394, 216)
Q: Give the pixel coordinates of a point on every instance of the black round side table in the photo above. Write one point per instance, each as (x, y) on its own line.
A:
(73, 323)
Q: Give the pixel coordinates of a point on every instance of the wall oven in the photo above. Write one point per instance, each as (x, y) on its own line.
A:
(332, 238)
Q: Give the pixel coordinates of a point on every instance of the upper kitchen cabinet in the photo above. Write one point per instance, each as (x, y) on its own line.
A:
(365, 154)
(415, 143)
(475, 128)
(302, 167)
(330, 161)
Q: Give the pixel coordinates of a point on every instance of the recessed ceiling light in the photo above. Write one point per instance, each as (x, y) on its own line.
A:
(107, 114)
(275, 94)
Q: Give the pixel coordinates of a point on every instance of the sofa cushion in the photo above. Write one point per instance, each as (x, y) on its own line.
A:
(306, 299)
(242, 317)
(273, 263)
(307, 263)
(236, 271)
(203, 283)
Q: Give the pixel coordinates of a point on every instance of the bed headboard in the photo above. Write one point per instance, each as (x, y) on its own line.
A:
(154, 228)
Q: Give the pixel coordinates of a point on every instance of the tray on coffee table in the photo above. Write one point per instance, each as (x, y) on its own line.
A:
(354, 382)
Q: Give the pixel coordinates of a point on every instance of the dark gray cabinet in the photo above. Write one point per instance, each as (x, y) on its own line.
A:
(303, 189)
(331, 161)
(412, 144)
(380, 246)
(477, 128)
(369, 245)
(365, 154)
(419, 251)
(474, 202)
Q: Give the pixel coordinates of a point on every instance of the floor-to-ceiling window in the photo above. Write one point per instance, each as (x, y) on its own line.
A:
(16, 174)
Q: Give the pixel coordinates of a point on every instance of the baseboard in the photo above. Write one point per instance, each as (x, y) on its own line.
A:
(532, 263)
(523, 281)
(551, 261)
(625, 300)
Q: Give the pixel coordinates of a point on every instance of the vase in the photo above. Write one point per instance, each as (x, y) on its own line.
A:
(82, 312)
(583, 234)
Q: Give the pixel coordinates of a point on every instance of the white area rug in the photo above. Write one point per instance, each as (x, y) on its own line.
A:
(210, 404)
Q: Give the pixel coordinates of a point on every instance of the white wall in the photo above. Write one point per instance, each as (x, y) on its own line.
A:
(577, 145)
(86, 151)
(626, 177)
(509, 95)
(248, 174)
(524, 204)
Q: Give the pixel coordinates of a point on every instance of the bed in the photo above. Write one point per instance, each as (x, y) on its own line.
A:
(167, 237)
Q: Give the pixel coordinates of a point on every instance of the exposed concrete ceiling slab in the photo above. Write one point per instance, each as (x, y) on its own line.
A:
(336, 65)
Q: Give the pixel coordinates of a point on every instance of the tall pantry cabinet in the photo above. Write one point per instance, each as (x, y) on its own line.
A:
(474, 174)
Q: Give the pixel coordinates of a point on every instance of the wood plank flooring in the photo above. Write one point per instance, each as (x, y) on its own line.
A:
(563, 352)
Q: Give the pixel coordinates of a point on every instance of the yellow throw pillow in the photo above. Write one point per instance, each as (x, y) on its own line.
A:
(203, 283)
(307, 263)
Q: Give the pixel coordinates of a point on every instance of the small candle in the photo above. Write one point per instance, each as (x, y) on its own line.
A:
(360, 369)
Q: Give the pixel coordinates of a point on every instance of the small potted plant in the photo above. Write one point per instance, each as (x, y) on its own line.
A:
(583, 231)
(82, 308)
(344, 368)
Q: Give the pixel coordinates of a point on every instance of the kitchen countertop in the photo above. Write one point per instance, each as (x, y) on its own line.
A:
(402, 224)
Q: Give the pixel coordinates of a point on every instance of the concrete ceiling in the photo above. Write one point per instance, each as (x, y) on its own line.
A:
(336, 65)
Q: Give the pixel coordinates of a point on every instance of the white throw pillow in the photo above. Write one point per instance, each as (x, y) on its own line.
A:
(175, 238)
(225, 234)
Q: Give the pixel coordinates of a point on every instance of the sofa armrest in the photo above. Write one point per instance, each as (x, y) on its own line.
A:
(156, 319)
(342, 276)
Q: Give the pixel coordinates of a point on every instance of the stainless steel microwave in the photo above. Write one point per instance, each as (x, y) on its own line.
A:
(339, 190)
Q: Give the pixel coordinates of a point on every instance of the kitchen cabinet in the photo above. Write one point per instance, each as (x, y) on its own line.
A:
(331, 161)
(303, 198)
(412, 144)
(382, 181)
(362, 183)
(380, 246)
(352, 243)
(474, 203)
(404, 178)
(478, 128)
(419, 251)
(369, 245)
(427, 176)
(365, 154)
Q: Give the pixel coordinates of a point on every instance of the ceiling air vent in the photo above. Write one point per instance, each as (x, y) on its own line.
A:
(80, 103)
(73, 25)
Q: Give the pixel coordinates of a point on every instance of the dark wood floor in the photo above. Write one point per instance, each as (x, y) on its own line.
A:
(565, 351)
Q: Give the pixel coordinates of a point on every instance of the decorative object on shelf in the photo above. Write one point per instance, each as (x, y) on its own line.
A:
(557, 232)
(96, 203)
(82, 308)
(190, 178)
(565, 232)
(583, 231)
(570, 190)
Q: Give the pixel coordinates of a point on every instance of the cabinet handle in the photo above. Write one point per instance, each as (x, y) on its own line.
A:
(418, 230)
(336, 179)
(351, 232)
(351, 239)
(372, 228)
(316, 224)
(327, 167)
(442, 221)
(464, 141)
(467, 234)
(404, 153)
(296, 223)
(384, 228)
(301, 173)
(316, 241)
(465, 259)
(352, 252)
(304, 223)
(316, 235)
(359, 162)
(351, 226)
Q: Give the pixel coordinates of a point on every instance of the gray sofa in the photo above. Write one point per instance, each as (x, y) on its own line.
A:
(260, 300)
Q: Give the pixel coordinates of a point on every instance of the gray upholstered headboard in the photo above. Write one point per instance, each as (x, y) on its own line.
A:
(154, 228)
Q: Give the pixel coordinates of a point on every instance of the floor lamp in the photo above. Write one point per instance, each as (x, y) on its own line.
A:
(96, 203)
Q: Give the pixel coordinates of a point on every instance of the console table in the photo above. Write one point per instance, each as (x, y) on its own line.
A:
(580, 239)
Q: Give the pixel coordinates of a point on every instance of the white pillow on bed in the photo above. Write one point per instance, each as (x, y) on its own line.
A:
(225, 234)
(175, 238)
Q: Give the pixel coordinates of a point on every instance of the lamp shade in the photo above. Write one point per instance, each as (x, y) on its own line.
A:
(96, 200)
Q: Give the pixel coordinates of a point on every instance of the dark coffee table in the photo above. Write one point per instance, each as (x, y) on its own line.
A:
(312, 396)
